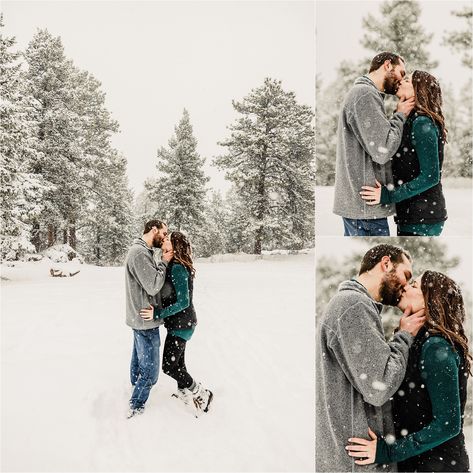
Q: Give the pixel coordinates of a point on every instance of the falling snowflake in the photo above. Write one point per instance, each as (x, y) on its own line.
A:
(379, 386)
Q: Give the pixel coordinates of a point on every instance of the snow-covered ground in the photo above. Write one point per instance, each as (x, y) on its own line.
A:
(65, 357)
(459, 209)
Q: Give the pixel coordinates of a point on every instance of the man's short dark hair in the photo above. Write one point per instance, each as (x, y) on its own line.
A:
(380, 59)
(376, 254)
(153, 223)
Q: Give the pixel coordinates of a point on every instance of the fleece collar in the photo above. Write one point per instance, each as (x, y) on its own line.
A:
(354, 285)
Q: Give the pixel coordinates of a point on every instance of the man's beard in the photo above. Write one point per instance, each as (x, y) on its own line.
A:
(390, 84)
(390, 290)
(158, 241)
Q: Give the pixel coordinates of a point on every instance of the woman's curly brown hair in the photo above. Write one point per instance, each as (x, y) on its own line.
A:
(445, 311)
(182, 251)
(428, 99)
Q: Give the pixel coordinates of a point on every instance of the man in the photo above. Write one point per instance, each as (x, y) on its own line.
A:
(367, 140)
(144, 280)
(357, 370)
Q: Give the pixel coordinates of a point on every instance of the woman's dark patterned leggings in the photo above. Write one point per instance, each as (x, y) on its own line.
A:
(173, 361)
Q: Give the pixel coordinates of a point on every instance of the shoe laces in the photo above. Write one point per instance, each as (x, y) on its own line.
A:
(198, 401)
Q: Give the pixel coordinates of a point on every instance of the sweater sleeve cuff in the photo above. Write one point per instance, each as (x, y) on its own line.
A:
(382, 452)
(401, 116)
(408, 337)
(385, 197)
(155, 313)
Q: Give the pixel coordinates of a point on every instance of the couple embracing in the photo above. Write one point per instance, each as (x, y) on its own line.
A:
(393, 405)
(391, 166)
(156, 294)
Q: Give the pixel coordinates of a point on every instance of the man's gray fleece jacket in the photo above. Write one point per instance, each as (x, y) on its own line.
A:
(357, 372)
(366, 142)
(144, 278)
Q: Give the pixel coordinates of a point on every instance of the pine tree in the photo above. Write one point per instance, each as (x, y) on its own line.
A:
(461, 41)
(21, 192)
(452, 163)
(144, 208)
(178, 194)
(239, 234)
(464, 136)
(74, 130)
(399, 30)
(269, 161)
(99, 163)
(50, 79)
(107, 227)
(217, 227)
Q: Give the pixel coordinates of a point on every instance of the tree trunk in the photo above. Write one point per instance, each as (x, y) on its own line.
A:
(261, 204)
(73, 236)
(64, 236)
(36, 236)
(258, 240)
(51, 235)
(97, 249)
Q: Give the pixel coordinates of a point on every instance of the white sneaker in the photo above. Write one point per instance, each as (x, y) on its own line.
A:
(184, 395)
(201, 398)
(134, 412)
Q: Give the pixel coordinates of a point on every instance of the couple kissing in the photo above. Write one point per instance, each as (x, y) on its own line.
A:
(161, 293)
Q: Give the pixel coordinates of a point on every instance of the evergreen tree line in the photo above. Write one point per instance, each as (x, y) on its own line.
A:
(269, 162)
(398, 29)
(63, 182)
(61, 179)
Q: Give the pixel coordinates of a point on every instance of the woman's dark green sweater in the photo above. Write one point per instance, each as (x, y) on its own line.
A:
(439, 365)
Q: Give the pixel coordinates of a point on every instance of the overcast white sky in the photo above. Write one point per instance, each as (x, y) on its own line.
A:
(156, 57)
(339, 31)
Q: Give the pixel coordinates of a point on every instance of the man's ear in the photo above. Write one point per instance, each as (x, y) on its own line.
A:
(385, 260)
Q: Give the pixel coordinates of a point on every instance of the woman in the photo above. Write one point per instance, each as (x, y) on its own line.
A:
(417, 165)
(180, 321)
(429, 406)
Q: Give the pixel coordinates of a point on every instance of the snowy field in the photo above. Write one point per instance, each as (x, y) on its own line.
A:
(459, 209)
(65, 358)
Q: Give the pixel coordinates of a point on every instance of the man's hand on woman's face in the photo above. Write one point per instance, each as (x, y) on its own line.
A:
(412, 323)
(406, 106)
(168, 252)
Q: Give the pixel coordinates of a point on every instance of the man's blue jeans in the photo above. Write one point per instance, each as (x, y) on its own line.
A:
(144, 369)
(372, 227)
